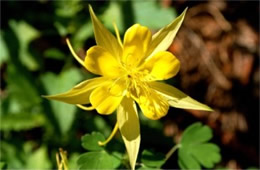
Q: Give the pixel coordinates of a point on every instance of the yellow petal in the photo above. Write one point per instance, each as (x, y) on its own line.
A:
(163, 65)
(80, 93)
(103, 37)
(107, 98)
(152, 104)
(136, 42)
(164, 37)
(178, 99)
(127, 119)
(100, 61)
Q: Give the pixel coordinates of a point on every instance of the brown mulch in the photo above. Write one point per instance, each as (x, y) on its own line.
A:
(219, 55)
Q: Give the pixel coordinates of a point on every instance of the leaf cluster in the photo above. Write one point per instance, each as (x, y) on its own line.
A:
(194, 151)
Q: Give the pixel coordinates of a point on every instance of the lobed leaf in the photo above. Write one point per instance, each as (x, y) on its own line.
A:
(97, 160)
(207, 154)
(196, 133)
(195, 149)
(90, 141)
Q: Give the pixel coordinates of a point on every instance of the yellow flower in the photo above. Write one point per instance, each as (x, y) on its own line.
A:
(129, 71)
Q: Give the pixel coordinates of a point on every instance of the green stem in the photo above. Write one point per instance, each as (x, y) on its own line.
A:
(173, 149)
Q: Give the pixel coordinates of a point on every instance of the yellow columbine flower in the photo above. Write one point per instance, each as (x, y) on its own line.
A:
(129, 71)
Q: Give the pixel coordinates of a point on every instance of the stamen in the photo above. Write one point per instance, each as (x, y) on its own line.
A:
(85, 108)
(74, 54)
(110, 137)
(117, 34)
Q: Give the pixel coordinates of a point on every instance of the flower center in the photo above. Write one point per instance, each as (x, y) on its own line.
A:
(136, 85)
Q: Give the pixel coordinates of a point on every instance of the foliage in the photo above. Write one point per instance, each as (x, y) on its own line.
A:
(152, 159)
(195, 149)
(97, 157)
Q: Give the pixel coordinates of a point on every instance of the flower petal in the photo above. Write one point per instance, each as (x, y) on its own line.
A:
(164, 37)
(100, 61)
(163, 65)
(80, 93)
(152, 104)
(103, 37)
(107, 98)
(177, 98)
(136, 42)
(129, 127)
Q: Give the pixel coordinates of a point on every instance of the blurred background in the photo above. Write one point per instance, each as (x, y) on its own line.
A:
(218, 46)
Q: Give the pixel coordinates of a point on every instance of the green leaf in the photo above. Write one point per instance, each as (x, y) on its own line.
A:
(185, 159)
(101, 125)
(3, 165)
(72, 161)
(54, 53)
(151, 159)
(11, 154)
(38, 159)
(21, 121)
(22, 90)
(207, 154)
(90, 141)
(82, 34)
(197, 134)
(62, 29)
(25, 34)
(151, 14)
(195, 149)
(97, 160)
(4, 54)
(113, 14)
(68, 8)
(64, 113)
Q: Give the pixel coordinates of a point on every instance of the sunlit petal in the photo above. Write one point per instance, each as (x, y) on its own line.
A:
(152, 104)
(103, 37)
(107, 98)
(177, 98)
(100, 61)
(128, 121)
(164, 37)
(136, 41)
(163, 65)
(80, 93)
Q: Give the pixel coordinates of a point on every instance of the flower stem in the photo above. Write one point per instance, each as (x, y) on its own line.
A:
(173, 149)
